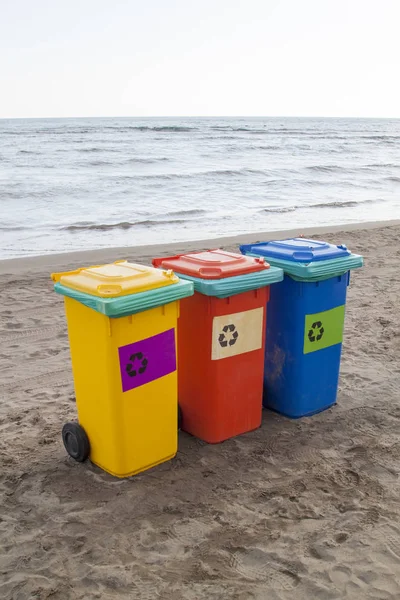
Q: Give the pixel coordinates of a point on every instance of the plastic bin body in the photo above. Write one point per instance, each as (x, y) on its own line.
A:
(301, 374)
(132, 430)
(305, 325)
(221, 343)
(220, 393)
(125, 375)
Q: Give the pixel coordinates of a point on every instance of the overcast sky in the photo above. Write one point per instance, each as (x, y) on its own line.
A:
(61, 58)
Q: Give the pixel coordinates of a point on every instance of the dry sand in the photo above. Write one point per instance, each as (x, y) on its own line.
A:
(303, 509)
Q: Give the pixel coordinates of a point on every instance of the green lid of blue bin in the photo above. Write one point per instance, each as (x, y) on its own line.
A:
(304, 259)
(298, 250)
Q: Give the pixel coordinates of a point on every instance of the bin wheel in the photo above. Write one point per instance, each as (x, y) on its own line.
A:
(180, 417)
(76, 441)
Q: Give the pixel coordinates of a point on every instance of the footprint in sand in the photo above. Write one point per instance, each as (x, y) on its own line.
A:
(341, 537)
(190, 531)
(391, 536)
(13, 325)
(256, 565)
(340, 576)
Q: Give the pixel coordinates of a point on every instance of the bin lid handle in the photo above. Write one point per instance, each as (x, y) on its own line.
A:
(210, 271)
(109, 290)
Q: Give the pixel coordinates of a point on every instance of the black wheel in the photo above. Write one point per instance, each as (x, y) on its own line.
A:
(76, 441)
(179, 417)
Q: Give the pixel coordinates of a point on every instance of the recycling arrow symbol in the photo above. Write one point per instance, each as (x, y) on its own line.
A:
(138, 364)
(316, 332)
(228, 336)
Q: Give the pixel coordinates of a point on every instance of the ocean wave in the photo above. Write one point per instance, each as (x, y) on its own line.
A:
(325, 168)
(265, 147)
(157, 128)
(144, 160)
(336, 204)
(13, 228)
(323, 136)
(235, 172)
(188, 212)
(27, 165)
(32, 133)
(338, 168)
(222, 138)
(384, 165)
(240, 129)
(168, 129)
(241, 148)
(311, 133)
(10, 194)
(250, 130)
(341, 203)
(280, 209)
(128, 161)
(98, 163)
(88, 226)
(393, 179)
(113, 128)
(380, 138)
(192, 175)
(97, 149)
(291, 178)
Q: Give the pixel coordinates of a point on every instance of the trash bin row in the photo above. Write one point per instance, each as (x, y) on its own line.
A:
(189, 339)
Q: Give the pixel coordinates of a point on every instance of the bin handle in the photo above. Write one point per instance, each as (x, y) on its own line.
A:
(210, 271)
(109, 290)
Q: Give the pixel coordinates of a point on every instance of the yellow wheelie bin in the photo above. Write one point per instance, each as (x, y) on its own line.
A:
(122, 320)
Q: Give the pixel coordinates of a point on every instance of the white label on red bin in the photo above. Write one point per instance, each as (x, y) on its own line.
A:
(237, 333)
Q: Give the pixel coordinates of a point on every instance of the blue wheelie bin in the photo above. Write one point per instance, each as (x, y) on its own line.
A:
(305, 325)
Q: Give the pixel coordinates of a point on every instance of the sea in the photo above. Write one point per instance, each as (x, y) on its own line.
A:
(79, 184)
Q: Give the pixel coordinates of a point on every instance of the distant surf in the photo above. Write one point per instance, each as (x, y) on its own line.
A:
(71, 184)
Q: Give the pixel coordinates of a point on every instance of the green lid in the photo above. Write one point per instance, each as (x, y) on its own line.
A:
(306, 260)
(230, 286)
(123, 306)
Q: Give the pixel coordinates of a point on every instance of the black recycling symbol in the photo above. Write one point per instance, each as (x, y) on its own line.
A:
(228, 336)
(137, 365)
(316, 332)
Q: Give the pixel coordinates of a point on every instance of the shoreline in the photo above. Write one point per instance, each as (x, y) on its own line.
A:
(42, 262)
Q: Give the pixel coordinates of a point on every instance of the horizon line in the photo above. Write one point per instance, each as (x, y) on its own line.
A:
(201, 117)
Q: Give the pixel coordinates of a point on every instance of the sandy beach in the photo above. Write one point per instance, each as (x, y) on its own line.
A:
(303, 510)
